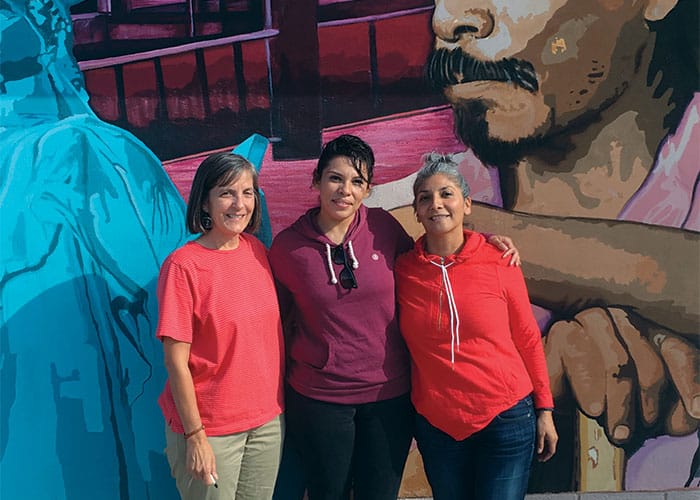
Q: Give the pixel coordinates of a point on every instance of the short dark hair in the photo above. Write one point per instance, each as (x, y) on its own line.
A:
(219, 169)
(351, 147)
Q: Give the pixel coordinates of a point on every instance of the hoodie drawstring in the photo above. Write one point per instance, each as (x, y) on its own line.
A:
(329, 261)
(355, 264)
(454, 315)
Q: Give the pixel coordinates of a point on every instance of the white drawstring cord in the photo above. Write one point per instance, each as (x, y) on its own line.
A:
(329, 262)
(454, 314)
(355, 264)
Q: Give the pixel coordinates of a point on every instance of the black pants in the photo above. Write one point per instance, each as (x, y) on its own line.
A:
(362, 447)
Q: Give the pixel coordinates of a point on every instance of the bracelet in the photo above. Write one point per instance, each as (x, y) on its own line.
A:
(192, 433)
(546, 408)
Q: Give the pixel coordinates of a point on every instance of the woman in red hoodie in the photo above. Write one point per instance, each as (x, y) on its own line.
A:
(478, 372)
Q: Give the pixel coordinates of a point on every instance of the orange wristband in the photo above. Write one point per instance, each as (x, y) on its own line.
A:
(192, 433)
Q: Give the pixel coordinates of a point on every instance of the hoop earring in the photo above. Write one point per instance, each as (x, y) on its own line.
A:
(207, 223)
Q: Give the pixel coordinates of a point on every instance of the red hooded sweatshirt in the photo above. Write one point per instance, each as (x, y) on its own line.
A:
(475, 347)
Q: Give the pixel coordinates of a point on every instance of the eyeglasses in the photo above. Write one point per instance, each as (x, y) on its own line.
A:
(347, 277)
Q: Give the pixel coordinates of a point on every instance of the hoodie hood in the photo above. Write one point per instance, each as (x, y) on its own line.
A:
(474, 242)
(307, 226)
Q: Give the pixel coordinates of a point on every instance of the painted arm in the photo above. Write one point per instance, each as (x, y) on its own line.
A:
(572, 264)
(628, 346)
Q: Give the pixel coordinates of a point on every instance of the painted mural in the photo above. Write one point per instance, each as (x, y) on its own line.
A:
(577, 128)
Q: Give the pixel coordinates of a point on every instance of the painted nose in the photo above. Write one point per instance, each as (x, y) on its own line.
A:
(452, 22)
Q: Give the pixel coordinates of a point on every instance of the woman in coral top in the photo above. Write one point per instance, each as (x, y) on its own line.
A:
(478, 372)
(220, 325)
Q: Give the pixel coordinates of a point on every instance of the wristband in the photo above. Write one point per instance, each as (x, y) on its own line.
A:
(546, 408)
(192, 433)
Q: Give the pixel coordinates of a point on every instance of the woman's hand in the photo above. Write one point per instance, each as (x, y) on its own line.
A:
(546, 436)
(506, 244)
(201, 462)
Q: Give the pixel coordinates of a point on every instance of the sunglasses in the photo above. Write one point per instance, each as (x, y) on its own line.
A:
(347, 277)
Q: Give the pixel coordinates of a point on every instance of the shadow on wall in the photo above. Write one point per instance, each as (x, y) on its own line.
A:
(79, 395)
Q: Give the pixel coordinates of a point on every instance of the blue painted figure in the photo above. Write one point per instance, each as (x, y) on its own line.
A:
(253, 149)
(87, 215)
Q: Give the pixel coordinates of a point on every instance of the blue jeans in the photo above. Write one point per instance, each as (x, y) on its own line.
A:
(492, 464)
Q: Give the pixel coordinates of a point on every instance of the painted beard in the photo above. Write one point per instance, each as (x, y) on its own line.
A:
(445, 68)
(473, 129)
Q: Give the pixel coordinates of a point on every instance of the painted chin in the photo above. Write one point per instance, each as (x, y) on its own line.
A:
(511, 112)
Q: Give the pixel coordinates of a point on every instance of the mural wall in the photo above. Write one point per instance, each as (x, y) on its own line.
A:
(577, 125)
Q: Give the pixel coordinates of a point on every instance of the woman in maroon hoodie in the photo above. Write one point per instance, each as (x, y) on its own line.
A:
(479, 377)
(348, 410)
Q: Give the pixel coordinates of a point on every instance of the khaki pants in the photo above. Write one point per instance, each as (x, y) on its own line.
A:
(246, 463)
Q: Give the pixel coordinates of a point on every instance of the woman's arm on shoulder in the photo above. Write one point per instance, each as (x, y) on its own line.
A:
(505, 244)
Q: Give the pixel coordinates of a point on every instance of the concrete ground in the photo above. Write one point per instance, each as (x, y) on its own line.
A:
(684, 494)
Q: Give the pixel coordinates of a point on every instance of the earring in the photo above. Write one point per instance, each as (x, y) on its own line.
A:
(206, 221)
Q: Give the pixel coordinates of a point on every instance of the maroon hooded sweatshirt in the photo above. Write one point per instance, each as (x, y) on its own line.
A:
(343, 345)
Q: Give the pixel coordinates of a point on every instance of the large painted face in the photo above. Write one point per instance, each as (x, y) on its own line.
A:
(517, 71)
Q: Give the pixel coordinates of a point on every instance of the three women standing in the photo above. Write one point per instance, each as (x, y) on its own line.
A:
(348, 408)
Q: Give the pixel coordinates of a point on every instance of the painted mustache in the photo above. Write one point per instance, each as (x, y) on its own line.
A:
(445, 68)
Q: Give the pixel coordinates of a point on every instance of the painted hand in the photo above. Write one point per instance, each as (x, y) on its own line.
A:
(635, 378)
